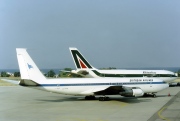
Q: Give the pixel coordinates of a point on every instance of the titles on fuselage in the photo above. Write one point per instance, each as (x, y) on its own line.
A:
(140, 80)
(149, 72)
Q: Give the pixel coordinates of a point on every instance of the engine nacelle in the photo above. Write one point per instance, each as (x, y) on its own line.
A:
(132, 93)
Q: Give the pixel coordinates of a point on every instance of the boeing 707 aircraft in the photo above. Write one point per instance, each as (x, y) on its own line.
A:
(84, 67)
(88, 87)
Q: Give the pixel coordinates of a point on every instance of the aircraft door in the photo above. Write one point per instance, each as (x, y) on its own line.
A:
(58, 86)
(150, 84)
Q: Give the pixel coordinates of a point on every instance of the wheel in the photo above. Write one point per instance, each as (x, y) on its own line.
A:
(90, 98)
(93, 97)
(106, 98)
(87, 98)
(145, 95)
(100, 98)
(103, 98)
(154, 95)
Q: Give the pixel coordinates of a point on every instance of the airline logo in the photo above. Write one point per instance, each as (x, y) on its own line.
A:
(29, 66)
(149, 72)
(80, 62)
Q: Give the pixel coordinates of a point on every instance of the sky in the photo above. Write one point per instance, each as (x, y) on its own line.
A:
(109, 33)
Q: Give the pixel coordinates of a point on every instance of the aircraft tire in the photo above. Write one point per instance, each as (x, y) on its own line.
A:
(154, 95)
(103, 98)
(90, 98)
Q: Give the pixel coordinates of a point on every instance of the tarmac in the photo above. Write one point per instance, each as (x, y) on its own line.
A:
(170, 111)
(25, 104)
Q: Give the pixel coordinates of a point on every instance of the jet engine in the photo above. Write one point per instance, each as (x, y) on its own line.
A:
(132, 93)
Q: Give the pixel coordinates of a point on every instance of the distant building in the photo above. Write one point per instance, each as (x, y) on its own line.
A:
(11, 74)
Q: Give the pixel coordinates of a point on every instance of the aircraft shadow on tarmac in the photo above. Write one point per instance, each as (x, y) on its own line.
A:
(76, 98)
(168, 95)
(130, 99)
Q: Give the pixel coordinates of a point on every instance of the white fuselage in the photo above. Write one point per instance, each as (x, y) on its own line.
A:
(134, 86)
(80, 87)
(164, 75)
(83, 65)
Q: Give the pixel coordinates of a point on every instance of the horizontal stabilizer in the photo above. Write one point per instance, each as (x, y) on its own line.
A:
(11, 81)
(28, 83)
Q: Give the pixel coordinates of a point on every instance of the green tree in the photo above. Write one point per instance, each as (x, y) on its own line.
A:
(62, 74)
(51, 73)
(66, 72)
(67, 69)
(4, 74)
(178, 73)
(109, 68)
(17, 74)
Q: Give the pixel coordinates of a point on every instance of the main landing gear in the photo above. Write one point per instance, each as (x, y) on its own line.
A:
(153, 95)
(149, 95)
(90, 97)
(103, 98)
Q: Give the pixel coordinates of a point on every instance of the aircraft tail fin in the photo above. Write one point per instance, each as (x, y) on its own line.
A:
(28, 68)
(79, 59)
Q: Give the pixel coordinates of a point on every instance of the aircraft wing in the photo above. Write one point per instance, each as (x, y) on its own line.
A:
(81, 73)
(121, 90)
(103, 90)
(92, 91)
(109, 90)
(11, 81)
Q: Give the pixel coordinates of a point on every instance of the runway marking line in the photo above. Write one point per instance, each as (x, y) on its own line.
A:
(79, 119)
(118, 103)
(124, 104)
(160, 116)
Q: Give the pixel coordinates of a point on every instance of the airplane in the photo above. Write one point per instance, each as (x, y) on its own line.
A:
(83, 66)
(32, 77)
